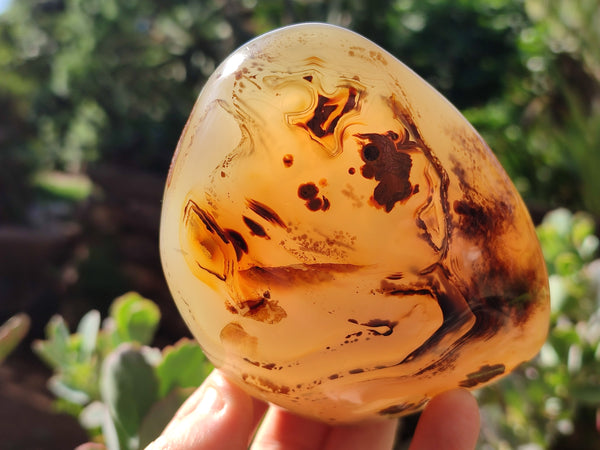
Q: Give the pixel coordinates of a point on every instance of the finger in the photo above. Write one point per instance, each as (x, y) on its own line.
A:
(284, 430)
(374, 436)
(449, 422)
(219, 415)
(259, 409)
(90, 446)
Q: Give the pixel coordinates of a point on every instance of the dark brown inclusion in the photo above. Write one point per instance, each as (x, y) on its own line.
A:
(402, 408)
(484, 374)
(265, 212)
(387, 161)
(239, 244)
(378, 323)
(288, 160)
(325, 108)
(308, 192)
(289, 276)
(396, 409)
(206, 218)
(474, 220)
(395, 276)
(255, 228)
(261, 309)
(314, 204)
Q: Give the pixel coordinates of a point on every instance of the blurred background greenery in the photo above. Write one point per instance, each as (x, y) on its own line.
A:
(94, 95)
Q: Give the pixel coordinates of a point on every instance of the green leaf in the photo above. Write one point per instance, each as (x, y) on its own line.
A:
(62, 406)
(93, 415)
(108, 339)
(548, 356)
(114, 436)
(83, 376)
(583, 226)
(88, 331)
(128, 387)
(161, 414)
(136, 318)
(61, 389)
(560, 220)
(56, 349)
(12, 332)
(183, 365)
(48, 353)
(588, 247)
(559, 292)
(586, 394)
(567, 263)
(57, 331)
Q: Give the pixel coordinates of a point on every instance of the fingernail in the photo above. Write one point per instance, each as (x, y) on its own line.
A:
(210, 402)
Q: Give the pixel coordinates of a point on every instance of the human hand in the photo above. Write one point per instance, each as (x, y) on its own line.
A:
(220, 416)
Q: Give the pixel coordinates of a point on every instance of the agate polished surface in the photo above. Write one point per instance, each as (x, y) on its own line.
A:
(339, 239)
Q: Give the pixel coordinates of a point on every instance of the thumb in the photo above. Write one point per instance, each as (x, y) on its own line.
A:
(219, 415)
(449, 422)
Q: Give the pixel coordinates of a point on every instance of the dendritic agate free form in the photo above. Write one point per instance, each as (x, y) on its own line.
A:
(339, 239)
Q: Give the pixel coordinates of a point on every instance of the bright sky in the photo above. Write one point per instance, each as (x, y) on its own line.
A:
(4, 5)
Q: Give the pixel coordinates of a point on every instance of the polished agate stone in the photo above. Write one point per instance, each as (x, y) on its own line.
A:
(339, 239)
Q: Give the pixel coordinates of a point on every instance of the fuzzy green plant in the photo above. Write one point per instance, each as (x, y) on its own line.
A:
(552, 401)
(122, 390)
(12, 333)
